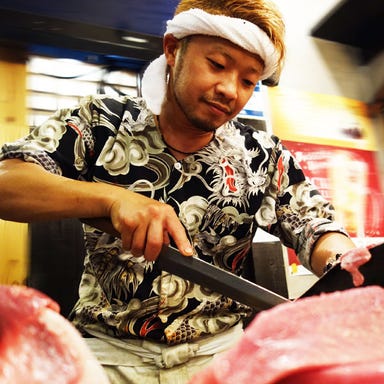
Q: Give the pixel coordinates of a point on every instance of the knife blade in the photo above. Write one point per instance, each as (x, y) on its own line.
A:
(217, 280)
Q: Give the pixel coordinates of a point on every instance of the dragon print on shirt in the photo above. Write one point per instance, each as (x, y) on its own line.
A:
(243, 179)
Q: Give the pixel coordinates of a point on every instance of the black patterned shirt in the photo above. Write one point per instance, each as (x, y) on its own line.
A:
(242, 180)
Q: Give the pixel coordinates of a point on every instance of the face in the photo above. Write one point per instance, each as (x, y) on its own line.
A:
(211, 80)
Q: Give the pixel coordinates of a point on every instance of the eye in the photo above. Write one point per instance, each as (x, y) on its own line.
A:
(249, 83)
(216, 64)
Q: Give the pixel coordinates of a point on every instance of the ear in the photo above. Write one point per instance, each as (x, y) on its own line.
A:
(170, 46)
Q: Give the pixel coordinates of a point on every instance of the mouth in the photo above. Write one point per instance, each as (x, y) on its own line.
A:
(219, 109)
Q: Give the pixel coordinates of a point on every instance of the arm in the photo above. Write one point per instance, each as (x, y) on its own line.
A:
(326, 247)
(28, 193)
(305, 220)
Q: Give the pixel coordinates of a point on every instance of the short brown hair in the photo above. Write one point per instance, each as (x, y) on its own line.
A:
(263, 13)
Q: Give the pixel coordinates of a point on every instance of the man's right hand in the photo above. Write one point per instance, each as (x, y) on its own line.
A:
(145, 225)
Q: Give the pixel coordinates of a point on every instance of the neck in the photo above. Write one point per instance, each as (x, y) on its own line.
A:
(183, 141)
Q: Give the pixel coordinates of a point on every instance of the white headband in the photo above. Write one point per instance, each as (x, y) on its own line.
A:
(198, 22)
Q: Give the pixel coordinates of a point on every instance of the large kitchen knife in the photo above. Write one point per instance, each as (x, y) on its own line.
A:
(218, 280)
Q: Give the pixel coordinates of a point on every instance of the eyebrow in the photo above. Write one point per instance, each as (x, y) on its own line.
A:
(218, 48)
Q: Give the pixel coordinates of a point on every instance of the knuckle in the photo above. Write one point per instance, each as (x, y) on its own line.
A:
(155, 210)
(130, 222)
(160, 209)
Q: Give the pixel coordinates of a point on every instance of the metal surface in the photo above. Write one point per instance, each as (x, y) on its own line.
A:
(270, 272)
(218, 280)
(337, 279)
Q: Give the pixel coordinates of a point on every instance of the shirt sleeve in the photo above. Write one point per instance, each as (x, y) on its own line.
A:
(65, 143)
(301, 214)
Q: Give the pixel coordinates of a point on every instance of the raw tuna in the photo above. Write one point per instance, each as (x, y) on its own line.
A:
(334, 338)
(38, 345)
(352, 260)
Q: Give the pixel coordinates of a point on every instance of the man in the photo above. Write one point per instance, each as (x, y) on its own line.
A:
(172, 167)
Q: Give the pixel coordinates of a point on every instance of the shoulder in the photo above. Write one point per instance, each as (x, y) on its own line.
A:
(100, 109)
(111, 104)
(253, 137)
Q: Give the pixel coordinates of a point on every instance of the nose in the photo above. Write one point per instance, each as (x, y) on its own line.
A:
(227, 86)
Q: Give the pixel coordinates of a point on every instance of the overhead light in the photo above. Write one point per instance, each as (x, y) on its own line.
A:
(134, 39)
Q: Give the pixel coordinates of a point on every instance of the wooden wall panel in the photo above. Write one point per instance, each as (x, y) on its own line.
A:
(13, 236)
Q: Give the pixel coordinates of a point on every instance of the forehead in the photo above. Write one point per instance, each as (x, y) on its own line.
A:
(214, 44)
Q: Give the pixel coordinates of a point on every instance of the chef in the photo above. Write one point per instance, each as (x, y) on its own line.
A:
(172, 167)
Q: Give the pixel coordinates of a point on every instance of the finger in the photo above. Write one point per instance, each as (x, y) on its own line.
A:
(124, 227)
(179, 235)
(166, 239)
(139, 239)
(126, 240)
(155, 240)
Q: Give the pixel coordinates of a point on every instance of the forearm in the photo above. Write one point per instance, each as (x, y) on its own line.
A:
(30, 193)
(326, 247)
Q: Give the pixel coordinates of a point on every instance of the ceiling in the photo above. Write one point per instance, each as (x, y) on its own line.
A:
(93, 30)
(145, 16)
(357, 23)
(87, 29)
